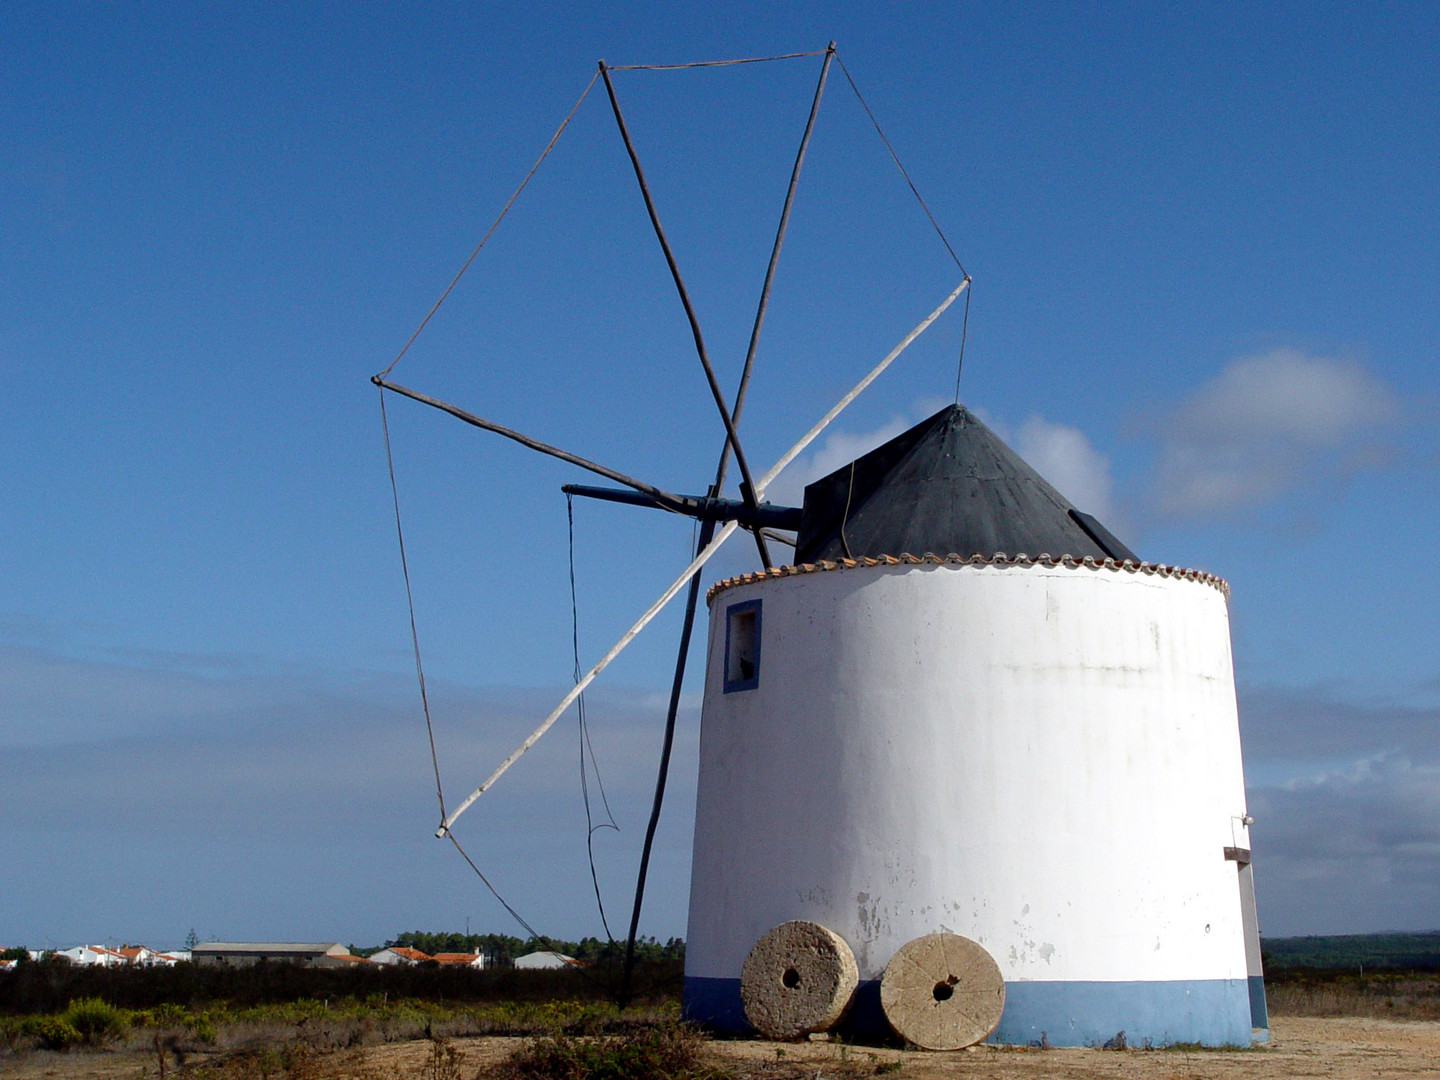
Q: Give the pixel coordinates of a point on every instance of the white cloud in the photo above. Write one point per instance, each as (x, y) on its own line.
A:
(1351, 850)
(1065, 457)
(838, 448)
(1347, 809)
(1265, 425)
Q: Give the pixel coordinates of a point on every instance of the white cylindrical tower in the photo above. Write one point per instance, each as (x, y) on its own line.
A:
(1042, 757)
(1040, 754)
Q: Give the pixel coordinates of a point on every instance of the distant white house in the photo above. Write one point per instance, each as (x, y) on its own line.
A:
(399, 954)
(92, 956)
(459, 959)
(546, 961)
(245, 953)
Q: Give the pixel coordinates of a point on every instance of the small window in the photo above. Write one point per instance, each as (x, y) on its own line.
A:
(742, 646)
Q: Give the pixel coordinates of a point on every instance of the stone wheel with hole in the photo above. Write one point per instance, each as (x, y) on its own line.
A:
(942, 992)
(798, 979)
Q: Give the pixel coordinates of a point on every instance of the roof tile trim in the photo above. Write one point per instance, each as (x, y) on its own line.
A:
(999, 559)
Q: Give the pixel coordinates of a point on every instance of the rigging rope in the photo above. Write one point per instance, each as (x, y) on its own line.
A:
(420, 675)
(964, 329)
(495, 893)
(895, 158)
(535, 935)
(410, 600)
(585, 744)
(494, 225)
(714, 63)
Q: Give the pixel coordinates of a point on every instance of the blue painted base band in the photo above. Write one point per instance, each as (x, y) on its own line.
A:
(1211, 1012)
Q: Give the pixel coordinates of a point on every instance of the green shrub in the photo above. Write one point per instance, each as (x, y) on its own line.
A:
(96, 1020)
(165, 1015)
(54, 1032)
(203, 1028)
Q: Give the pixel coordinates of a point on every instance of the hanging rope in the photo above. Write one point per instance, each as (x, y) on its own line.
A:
(410, 601)
(494, 225)
(845, 518)
(535, 935)
(585, 744)
(895, 158)
(420, 677)
(524, 925)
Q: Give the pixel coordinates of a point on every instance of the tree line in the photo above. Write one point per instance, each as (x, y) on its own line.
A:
(500, 950)
(1351, 952)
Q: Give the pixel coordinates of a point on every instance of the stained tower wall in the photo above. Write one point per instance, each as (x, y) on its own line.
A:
(1045, 759)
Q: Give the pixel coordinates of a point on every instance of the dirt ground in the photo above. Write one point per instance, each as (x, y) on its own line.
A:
(1335, 1049)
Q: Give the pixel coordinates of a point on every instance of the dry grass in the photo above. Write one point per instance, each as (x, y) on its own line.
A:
(205, 1031)
(1382, 997)
(670, 1051)
(662, 1052)
(407, 1040)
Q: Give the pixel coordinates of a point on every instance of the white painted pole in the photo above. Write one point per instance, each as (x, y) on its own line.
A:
(699, 561)
(576, 690)
(810, 436)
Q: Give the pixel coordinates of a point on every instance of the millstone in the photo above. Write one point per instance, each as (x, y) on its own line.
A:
(942, 992)
(798, 979)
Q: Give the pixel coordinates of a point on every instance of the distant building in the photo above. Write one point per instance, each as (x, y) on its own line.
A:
(125, 955)
(546, 961)
(399, 954)
(92, 956)
(460, 959)
(245, 953)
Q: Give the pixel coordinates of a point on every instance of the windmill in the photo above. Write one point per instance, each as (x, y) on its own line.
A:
(968, 766)
(718, 517)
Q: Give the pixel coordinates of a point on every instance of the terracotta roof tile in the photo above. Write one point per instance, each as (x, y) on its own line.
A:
(999, 559)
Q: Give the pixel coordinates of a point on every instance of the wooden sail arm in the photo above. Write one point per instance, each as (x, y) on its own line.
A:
(700, 560)
(656, 496)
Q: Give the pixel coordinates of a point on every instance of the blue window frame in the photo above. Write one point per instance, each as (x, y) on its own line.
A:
(742, 646)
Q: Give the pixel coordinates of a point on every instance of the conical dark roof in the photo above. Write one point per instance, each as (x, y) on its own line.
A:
(947, 486)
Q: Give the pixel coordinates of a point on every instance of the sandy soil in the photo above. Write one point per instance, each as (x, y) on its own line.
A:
(1336, 1049)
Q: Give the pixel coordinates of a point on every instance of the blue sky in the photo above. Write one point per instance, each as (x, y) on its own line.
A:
(1204, 243)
